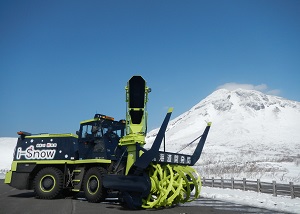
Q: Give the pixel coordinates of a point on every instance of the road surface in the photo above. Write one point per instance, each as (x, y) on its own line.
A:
(23, 201)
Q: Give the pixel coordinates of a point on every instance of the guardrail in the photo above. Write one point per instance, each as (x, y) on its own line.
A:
(258, 186)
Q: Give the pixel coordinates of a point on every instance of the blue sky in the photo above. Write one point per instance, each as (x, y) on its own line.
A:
(63, 61)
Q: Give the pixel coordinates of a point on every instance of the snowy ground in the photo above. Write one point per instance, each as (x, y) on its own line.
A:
(250, 198)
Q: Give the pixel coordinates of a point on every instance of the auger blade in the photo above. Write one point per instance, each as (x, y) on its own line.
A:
(147, 157)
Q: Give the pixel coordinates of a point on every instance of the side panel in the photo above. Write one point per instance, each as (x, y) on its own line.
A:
(46, 148)
(173, 158)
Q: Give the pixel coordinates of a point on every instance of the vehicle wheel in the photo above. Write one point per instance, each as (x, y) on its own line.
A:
(48, 183)
(92, 184)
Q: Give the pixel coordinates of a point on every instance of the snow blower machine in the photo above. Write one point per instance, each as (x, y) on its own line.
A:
(108, 157)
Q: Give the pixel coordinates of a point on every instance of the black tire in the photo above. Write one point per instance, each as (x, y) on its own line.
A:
(48, 183)
(92, 185)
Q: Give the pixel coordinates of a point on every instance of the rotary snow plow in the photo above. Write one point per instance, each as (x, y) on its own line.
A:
(153, 178)
(108, 156)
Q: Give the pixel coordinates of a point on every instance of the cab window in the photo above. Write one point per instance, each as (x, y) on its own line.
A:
(86, 130)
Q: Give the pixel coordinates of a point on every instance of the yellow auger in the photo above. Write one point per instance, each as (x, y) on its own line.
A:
(171, 184)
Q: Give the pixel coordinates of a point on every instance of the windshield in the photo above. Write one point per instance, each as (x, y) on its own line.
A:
(97, 129)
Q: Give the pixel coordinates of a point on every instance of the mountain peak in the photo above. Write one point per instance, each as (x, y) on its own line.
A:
(224, 100)
(238, 106)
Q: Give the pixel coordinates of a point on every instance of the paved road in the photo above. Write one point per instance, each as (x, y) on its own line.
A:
(23, 201)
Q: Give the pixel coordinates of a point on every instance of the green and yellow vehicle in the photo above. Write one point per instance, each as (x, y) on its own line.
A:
(108, 156)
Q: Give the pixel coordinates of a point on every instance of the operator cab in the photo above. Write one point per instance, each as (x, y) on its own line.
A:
(99, 137)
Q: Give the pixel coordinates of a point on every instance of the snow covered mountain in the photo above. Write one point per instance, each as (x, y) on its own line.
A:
(253, 135)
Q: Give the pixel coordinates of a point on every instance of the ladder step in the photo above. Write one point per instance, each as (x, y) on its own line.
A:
(78, 177)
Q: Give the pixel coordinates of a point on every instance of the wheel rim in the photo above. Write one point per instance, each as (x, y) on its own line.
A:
(93, 185)
(47, 183)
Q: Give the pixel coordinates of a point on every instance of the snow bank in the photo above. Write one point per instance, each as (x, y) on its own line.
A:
(250, 198)
(7, 146)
